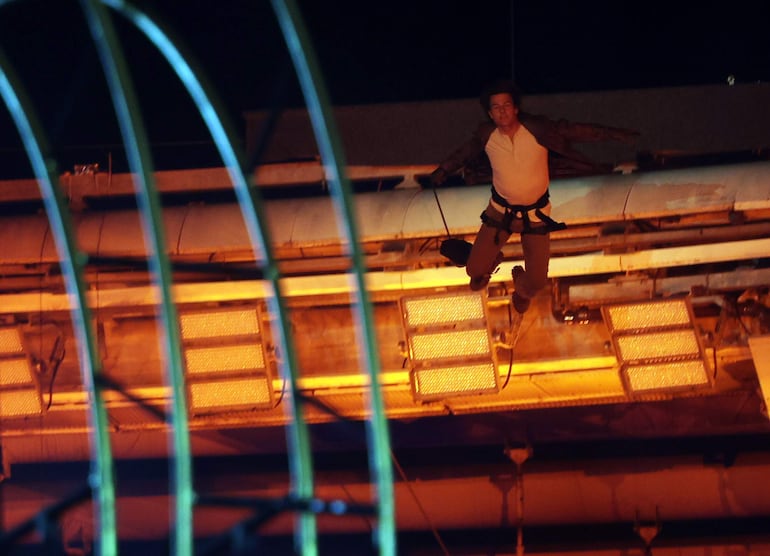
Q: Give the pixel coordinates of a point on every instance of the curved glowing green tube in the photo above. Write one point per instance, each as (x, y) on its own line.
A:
(72, 263)
(139, 160)
(251, 207)
(329, 145)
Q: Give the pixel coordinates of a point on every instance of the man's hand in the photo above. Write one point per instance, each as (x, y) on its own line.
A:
(438, 177)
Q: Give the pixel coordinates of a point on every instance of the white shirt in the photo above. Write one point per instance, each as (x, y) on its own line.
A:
(519, 166)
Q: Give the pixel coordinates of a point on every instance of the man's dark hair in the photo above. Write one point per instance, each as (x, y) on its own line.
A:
(497, 87)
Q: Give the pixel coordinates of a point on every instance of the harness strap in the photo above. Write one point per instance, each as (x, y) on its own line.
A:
(540, 203)
(551, 225)
(504, 224)
(522, 212)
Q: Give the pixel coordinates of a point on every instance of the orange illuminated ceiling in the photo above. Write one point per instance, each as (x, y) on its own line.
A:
(566, 384)
(565, 355)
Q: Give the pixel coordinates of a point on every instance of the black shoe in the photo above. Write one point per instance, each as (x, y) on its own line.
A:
(521, 304)
(456, 250)
(480, 282)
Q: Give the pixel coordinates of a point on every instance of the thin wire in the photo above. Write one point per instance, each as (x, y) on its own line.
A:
(435, 194)
(424, 245)
(419, 504)
(57, 363)
(283, 393)
(511, 345)
(510, 349)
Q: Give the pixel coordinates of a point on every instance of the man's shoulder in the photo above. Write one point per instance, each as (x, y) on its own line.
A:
(545, 130)
(530, 120)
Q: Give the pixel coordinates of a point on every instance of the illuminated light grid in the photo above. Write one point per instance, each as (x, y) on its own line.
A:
(15, 372)
(654, 314)
(464, 379)
(424, 311)
(444, 345)
(666, 376)
(20, 403)
(654, 345)
(242, 357)
(450, 350)
(10, 341)
(219, 324)
(241, 393)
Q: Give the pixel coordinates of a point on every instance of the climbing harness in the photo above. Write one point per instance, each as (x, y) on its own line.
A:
(521, 212)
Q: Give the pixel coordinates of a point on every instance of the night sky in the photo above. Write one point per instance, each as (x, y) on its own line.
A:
(369, 52)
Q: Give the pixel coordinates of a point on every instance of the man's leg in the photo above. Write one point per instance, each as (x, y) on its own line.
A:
(486, 252)
(532, 278)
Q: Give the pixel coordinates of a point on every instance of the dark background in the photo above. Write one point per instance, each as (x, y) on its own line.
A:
(369, 52)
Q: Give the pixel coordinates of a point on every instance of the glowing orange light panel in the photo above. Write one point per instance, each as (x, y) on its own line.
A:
(19, 391)
(450, 349)
(225, 361)
(657, 345)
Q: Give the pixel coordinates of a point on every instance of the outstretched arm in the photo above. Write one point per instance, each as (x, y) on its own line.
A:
(462, 155)
(588, 132)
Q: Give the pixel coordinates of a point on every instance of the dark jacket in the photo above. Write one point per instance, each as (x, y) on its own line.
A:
(555, 135)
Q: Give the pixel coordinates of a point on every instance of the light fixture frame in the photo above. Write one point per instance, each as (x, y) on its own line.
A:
(34, 380)
(257, 338)
(629, 364)
(418, 366)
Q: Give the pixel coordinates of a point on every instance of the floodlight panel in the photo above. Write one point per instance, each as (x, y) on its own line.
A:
(241, 357)
(457, 380)
(15, 372)
(666, 375)
(446, 345)
(654, 345)
(655, 314)
(219, 324)
(240, 393)
(10, 341)
(18, 403)
(424, 311)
